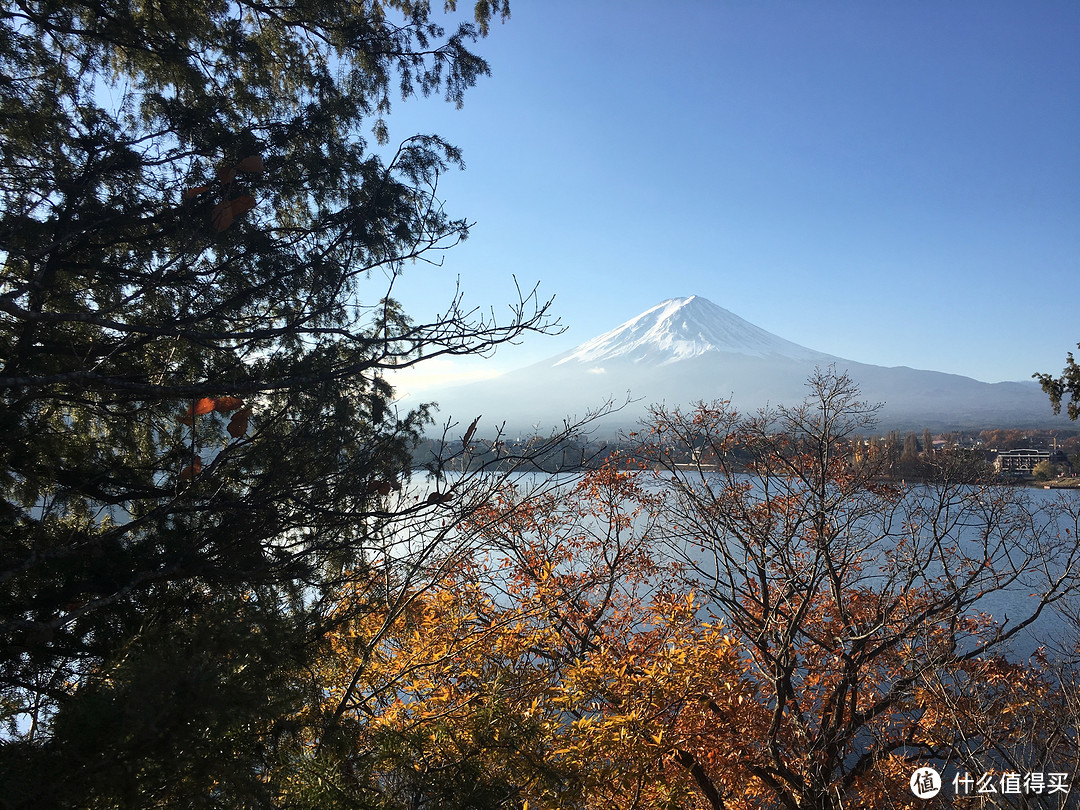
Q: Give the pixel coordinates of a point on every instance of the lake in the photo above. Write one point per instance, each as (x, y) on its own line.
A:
(1028, 534)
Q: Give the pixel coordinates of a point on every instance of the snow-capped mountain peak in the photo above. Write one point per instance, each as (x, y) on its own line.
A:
(681, 328)
(688, 350)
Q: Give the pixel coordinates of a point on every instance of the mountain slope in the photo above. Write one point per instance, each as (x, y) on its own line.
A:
(682, 328)
(685, 350)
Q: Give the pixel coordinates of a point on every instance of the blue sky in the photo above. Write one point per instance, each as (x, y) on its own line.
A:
(894, 183)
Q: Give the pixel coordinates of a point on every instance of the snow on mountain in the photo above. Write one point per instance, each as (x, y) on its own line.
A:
(686, 350)
(682, 328)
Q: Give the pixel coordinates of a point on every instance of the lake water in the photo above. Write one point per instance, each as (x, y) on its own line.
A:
(1047, 514)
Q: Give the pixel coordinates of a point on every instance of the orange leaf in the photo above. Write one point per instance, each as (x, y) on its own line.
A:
(241, 205)
(225, 212)
(187, 419)
(238, 425)
(226, 175)
(204, 405)
(201, 406)
(195, 192)
(222, 216)
(252, 163)
(227, 404)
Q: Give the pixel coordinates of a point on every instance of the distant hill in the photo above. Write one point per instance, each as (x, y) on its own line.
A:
(688, 349)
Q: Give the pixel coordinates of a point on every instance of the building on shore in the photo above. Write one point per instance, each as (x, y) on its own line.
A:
(1023, 460)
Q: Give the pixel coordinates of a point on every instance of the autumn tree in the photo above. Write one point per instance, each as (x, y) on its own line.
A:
(525, 673)
(203, 215)
(775, 628)
(893, 450)
(1006, 439)
(857, 605)
(910, 464)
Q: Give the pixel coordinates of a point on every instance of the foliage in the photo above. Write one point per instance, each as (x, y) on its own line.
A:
(1044, 471)
(773, 628)
(472, 678)
(1006, 439)
(854, 601)
(224, 585)
(1067, 384)
(202, 220)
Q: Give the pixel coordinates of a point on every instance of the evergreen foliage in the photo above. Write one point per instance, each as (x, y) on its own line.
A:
(202, 219)
(1044, 471)
(1068, 384)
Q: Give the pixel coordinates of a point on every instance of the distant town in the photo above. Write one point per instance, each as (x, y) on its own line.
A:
(1044, 457)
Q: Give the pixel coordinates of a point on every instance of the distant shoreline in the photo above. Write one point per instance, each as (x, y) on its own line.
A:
(1059, 483)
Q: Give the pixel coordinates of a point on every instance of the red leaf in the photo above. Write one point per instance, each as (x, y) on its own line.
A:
(204, 405)
(222, 216)
(227, 404)
(382, 487)
(195, 192)
(238, 425)
(241, 205)
(252, 163)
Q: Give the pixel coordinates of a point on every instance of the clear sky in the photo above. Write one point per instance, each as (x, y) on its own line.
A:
(894, 183)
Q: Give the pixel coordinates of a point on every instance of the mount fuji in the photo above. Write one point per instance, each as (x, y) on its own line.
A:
(684, 350)
(681, 329)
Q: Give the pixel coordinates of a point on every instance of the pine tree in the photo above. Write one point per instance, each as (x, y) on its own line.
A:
(202, 219)
(1067, 384)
